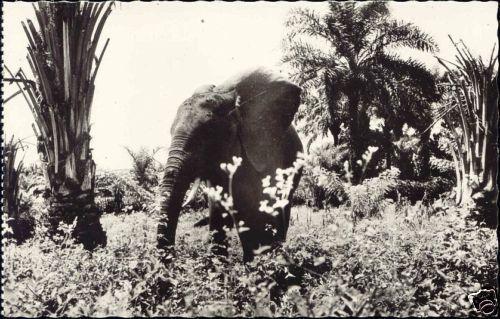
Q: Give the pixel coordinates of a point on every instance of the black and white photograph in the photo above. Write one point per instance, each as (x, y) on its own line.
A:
(249, 159)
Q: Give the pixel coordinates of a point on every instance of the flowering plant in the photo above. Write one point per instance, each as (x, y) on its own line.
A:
(278, 194)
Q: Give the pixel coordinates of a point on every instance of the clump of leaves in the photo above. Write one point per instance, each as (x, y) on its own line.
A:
(119, 192)
(367, 199)
(144, 167)
(16, 208)
(321, 182)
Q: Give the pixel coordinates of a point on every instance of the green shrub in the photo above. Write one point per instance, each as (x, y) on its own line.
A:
(329, 156)
(442, 167)
(412, 260)
(403, 264)
(321, 183)
(118, 191)
(319, 187)
(144, 167)
(367, 198)
(16, 205)
(416, 191)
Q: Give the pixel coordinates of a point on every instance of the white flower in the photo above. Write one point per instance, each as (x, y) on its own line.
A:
(237, 161)
(214, 193)
(271, 191)
(266, 182)
(299, 162)
(243, 229)
(231, 168)
(264, 207)
(227, 202)
(372, 149)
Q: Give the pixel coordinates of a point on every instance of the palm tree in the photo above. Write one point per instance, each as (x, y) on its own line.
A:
(62, 57)
(470, 112)
(343, 55)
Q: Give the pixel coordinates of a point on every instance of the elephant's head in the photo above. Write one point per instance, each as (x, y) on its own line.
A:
(252, 110)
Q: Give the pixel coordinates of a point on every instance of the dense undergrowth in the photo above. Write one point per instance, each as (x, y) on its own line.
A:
(371, 255)
(409, 261)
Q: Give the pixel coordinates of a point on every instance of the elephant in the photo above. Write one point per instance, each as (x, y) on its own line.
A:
(248, 116)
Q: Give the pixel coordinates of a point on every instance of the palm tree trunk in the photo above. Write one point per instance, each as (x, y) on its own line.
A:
(355, 143)
(423, 155)
(388, 147)
(458, 187)
(70, 200)
(486, 198)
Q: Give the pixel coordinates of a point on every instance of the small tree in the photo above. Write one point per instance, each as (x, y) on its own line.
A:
(62, 57)
(470, 112)
(21, 224)
(143, 167)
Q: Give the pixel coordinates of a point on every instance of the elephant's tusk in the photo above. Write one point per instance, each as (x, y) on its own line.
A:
(192, 192)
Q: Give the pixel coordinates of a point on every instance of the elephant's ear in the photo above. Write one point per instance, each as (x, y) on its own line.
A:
(267, 103)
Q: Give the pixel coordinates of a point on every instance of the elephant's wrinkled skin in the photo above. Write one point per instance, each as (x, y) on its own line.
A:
(248, 116)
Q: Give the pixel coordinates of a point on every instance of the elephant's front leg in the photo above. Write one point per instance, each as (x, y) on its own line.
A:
(217, 231)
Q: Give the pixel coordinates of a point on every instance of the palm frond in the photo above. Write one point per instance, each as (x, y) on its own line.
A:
(401, 34)
(62, 57)
(411, 71)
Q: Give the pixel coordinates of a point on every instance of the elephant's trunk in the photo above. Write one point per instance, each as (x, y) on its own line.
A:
(173, 188)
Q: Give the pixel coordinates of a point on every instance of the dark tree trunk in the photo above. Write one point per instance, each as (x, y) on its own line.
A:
(70, 199)
(334, 129)
(423, 155)
(355, 141)
(334, 125)
(388, 148)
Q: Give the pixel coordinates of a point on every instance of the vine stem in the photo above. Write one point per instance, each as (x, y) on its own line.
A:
(231, 211)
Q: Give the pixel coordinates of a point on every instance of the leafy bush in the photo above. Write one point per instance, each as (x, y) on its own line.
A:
(412, 260)
(367, 198)
(329, 156)
(119, 192)
(16, 206)
(415, 191)
(321, 179)
(319, 187)
(144, 167)
(442, 167)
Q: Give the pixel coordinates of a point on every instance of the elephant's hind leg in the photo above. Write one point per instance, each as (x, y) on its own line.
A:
(217, 232)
